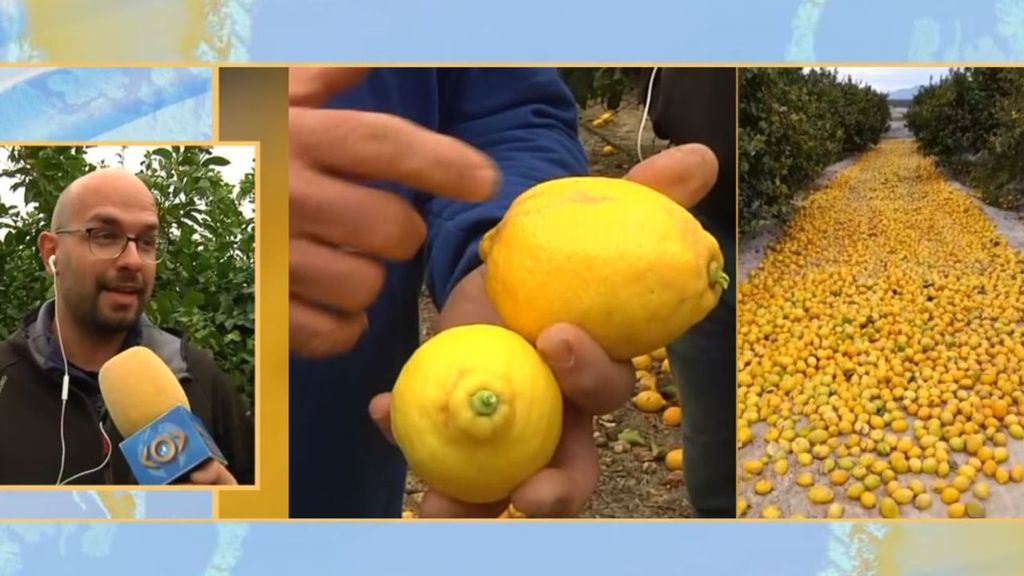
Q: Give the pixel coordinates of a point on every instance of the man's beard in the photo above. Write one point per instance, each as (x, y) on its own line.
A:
(104, 324)
(94, 319)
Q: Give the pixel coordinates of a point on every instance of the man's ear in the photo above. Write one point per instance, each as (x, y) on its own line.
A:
(47, 243)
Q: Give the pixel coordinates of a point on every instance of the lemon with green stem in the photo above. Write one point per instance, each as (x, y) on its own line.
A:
(625, 263)
(476, 411)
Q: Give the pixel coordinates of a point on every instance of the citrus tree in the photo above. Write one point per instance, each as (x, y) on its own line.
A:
(793, 123)
(205, 283)
(606, 86)
(972, 122)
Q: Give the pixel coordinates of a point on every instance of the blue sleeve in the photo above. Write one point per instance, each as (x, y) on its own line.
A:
(526, 120)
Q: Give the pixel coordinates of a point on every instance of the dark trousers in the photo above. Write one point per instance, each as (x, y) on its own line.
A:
(699, 105)
(704, 365)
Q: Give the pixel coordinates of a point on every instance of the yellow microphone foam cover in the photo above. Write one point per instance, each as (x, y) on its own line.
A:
(138, 387)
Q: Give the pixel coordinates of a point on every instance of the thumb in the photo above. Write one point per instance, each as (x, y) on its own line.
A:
(311, 87)
(210, 473)
(380, 413)
(684, 173)
(587, 376)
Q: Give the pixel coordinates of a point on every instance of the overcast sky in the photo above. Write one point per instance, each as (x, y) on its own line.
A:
(892, 79)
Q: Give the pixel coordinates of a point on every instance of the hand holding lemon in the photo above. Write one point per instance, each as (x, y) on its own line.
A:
(476, 410)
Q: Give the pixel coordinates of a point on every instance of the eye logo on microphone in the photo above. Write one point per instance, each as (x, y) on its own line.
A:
(169, 447)
(163, 449)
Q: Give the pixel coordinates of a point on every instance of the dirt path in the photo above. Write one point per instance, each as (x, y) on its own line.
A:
(925, 227)
(634, 482)
(898, 124)
(1009, 224)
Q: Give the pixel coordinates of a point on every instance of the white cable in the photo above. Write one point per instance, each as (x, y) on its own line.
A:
(643, 118)
(63, 446)
(64, 383)
(109, 449)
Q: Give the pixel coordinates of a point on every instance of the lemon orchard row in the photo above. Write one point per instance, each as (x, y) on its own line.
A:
(880, 348)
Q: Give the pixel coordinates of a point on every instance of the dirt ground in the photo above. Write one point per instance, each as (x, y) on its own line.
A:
(634, 482)
(1006, 501)
(898, 125)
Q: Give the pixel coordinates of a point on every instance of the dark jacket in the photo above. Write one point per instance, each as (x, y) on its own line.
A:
(31, 371)
(698, 105)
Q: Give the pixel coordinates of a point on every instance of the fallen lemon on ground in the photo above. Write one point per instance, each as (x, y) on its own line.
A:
(625, 263)
(649, 401)
(511, 512)
(476, 411)
(672, 416)
(674, 459)
(885, 326)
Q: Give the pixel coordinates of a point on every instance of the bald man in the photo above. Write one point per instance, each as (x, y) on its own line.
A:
(105, 243)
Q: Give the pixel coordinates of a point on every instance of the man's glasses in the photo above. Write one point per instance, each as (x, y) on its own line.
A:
(106, 243)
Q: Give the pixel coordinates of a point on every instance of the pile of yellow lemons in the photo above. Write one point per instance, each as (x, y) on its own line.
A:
(649, 398)
(881, 351)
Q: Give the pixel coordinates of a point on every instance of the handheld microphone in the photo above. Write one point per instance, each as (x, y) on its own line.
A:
(164, 440)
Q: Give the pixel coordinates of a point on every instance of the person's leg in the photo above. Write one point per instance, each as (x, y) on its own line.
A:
(703, 363)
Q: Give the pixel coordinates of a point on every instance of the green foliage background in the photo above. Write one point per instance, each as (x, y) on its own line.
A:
(972, 121)
(206, 283)
(793, 124)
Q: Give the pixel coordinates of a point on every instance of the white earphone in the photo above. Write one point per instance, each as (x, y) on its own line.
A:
(643, 118)
(65, 385)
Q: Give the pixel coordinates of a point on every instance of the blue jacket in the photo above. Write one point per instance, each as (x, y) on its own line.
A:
(340, 465)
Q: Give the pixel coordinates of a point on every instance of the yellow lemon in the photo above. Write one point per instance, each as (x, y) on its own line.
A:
(820, 494)
(956, 510)
(512, 512)
(674, 459)
(1017, 473)
(476, 411)
(889, 508)
(672, 416)
(623, 262)
(868, 499)
(642, 362)
(649, 401)
(781, 467)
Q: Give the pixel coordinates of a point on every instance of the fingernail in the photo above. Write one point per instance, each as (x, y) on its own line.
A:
(559, 354)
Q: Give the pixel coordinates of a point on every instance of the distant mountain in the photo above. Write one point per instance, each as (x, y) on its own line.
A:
(905, 93)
